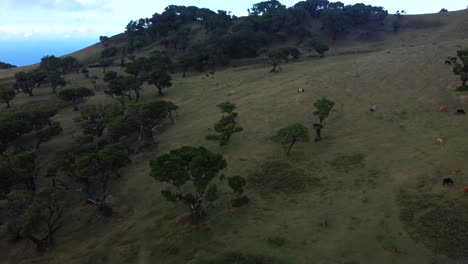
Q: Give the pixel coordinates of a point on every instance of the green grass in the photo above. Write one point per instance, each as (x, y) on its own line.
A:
(353, 178)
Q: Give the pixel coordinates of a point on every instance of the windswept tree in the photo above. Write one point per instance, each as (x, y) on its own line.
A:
(105, 63)
(25, 82)
(161, 79)
(95, 171)
(319, 47)
(69, 65)
(109, 52)
(227, 107)
(185, 61)
(47, 133)
(85, 72)
(460, 68)
(76, 96)
(227, 125)
(149, 116)
(36, 217)
(93, 119)
(335, 21)
(19, 169)
(292, 134)
(192, 172)
(109, 76)
(323, 108)
(104, 41)
(55, 79)
(120, 88)
(274, 57)
(6, 95)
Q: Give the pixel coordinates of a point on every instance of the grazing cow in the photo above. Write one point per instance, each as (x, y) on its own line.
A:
(300, 90)
(443, 109)
(461, 112)
(447, 181)
(323, 221)
(464, 189)
(439, 141)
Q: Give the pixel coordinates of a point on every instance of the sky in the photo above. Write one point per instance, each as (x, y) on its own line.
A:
(78, 23)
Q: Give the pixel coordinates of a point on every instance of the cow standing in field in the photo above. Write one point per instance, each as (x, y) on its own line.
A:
(447, 181)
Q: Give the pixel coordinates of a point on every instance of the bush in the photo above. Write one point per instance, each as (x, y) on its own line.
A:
(241, 201)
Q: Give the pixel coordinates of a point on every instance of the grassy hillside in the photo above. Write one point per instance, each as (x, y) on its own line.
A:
(376, 177)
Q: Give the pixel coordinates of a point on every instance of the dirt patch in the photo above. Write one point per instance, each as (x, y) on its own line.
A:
(462, 99)
(278, 176)
(437, 221)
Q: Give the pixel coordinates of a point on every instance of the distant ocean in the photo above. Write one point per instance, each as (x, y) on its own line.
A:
(27, 52)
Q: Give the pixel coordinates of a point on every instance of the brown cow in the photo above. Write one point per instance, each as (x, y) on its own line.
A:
(443, 109)
(464, 189)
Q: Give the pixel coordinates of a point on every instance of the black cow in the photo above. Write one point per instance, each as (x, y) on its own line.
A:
(461, 112)
(447, 181)
(447, 62)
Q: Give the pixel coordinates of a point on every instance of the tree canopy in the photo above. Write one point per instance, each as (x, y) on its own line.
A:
(76, 95)
(191, 173)
(292, 134)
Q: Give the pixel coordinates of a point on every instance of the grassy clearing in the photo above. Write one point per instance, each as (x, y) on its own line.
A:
(352, 179)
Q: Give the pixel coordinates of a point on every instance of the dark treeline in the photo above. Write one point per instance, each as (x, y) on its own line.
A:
(4, 65)
(230, 37)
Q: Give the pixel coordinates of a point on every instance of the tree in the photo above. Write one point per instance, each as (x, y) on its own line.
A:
(275, 56)
(397, 23)
(93, 119)
(227, 126)
(95, 171)
(47, 133)
(191, 172)
(320, 48)
(25, 82)
(227, 107)
(36, 217)
(335, 21)
(120, 88)
(443, 10)
(460, 67)
(292, 134)
(69, 65)
(161, 79)
(323, 107)
(109, 52)
(19, 169)
(150, 115)
(55, 79)
(14, 125)
(104, 63)
(6, 95)
(109, 76)
(76, 95)
(85, 72)
(185, 61)
(104, 41)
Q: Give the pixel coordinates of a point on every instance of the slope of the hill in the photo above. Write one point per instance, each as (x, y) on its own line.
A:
(415, 30)
(4, 65)
(375, 177)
